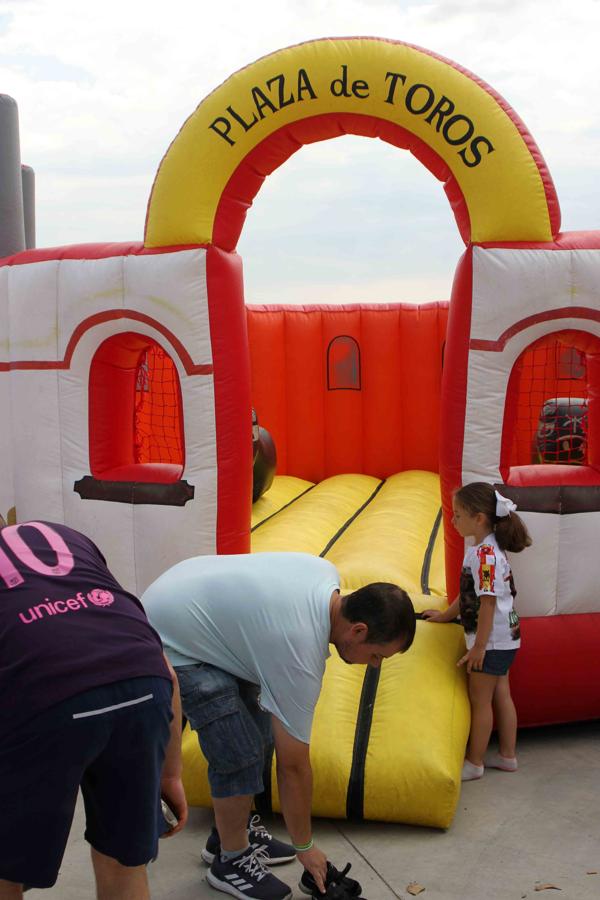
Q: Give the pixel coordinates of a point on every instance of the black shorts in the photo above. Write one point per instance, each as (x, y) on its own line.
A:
(111, 741)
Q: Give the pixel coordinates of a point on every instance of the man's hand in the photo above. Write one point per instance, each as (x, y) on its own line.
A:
(473, 659)
(315, 862)
(171, 790)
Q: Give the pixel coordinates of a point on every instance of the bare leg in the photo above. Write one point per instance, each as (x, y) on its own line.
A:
(231, 817)
(481, 691)
(506, 718)
(117, 882)
(10, 891)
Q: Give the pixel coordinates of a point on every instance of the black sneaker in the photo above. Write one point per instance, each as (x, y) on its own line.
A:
(334, 891)
(247, 877)
(346, 887)
(276, 851)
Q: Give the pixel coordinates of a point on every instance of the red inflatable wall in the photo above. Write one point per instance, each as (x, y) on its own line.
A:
(349, 388)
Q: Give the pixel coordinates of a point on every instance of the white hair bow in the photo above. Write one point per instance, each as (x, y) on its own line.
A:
(504, 506)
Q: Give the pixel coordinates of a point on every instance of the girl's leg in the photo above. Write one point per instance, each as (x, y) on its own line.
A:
(506, 718)
(481, 692)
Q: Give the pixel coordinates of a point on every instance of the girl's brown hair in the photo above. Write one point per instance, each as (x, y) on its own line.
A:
(510, 531)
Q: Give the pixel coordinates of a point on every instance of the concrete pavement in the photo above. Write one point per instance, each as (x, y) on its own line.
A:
(540, 825)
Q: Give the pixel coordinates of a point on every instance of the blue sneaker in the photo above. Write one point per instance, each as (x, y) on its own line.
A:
(247, 877)
(275, 851)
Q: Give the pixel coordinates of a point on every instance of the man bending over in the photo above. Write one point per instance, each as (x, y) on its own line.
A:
(248, 636)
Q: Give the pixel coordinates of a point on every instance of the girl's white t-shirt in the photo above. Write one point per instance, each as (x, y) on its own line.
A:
(486, 572)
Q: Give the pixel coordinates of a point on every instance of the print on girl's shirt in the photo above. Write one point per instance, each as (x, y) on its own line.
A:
(469, 601)
(482, 576)
(487, 568)
(513, 616)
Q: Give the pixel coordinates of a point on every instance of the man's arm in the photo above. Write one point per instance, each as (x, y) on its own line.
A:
(171, 786)
(294, 779)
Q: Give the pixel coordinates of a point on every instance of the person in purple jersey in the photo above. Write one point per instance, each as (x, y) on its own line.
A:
(87, 699)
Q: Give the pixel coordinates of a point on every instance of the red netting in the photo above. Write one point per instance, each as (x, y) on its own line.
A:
(550, 400)
(157, 427)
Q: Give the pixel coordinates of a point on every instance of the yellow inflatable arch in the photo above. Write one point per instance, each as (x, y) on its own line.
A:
(494, 175)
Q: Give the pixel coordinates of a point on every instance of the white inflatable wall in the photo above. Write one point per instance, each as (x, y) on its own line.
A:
(518, 297)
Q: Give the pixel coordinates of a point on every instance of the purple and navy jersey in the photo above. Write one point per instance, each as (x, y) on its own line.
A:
(66, 624)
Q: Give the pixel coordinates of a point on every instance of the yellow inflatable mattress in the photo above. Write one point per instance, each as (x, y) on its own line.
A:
(387, 743)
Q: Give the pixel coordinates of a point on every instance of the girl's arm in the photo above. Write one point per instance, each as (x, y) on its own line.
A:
(437, 615)
(485, 620)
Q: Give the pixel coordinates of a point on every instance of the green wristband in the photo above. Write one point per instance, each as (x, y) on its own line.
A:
(304, 847)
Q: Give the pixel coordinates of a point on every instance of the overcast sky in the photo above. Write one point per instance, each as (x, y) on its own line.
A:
(103, 89)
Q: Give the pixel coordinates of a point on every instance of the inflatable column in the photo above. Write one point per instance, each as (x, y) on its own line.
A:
(520, 400)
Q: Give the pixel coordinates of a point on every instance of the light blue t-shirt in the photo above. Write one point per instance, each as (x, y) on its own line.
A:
(263, 617)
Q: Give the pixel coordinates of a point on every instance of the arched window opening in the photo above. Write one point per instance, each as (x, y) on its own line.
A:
(135, 415)
(343, 364)
(551, 416)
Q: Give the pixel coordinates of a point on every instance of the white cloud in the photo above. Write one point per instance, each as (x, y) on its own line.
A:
(102, 91)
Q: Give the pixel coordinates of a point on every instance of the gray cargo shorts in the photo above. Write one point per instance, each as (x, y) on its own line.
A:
(234, 733)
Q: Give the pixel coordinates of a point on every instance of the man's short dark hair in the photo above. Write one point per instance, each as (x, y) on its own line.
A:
(386, 610)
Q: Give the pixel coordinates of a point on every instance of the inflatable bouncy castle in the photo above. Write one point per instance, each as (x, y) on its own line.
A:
(129, 372)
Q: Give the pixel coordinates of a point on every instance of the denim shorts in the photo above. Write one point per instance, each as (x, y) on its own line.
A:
(111, 741)
(498, 662)
(234, 732)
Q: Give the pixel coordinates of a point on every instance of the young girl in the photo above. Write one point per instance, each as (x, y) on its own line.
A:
(488, 617)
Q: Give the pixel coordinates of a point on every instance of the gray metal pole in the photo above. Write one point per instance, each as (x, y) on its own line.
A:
(28, 179)
(12, 225)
